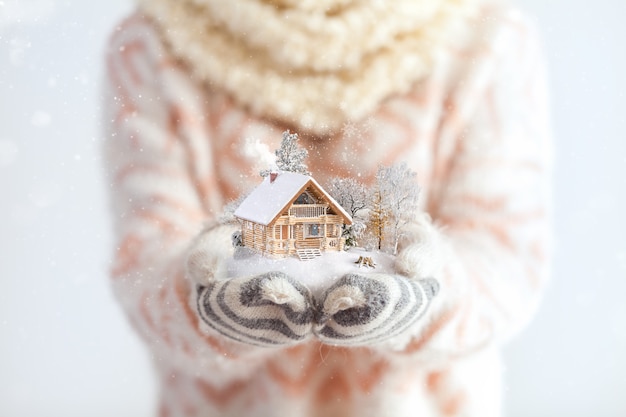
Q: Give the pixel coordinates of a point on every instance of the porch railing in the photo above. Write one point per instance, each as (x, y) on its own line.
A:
(308, 210)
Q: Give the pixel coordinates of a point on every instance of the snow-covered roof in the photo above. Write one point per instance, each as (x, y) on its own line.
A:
(270, 198)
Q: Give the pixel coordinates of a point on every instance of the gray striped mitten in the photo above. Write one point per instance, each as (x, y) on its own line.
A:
(361, 310)
(271, 309)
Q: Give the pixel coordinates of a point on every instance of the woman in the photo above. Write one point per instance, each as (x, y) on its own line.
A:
(453, 88)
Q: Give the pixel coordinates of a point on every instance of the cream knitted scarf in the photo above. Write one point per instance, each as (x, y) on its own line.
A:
(314, 64)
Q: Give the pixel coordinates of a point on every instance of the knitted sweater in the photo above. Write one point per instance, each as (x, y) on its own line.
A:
(474, 130)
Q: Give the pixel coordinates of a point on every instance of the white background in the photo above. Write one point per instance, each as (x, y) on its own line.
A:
(65, 348)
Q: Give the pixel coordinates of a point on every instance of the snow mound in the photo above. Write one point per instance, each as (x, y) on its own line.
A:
(317, 274)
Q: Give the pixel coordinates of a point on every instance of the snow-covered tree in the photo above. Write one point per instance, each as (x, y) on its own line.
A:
(353, 197)
(290, 156)
(354, 232)
(349, 193)
(398, 196)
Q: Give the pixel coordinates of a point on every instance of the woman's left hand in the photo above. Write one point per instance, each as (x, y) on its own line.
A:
(366, 309)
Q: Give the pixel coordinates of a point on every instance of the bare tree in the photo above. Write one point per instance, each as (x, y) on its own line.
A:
(398, 195)
(349, 193)
(353, 197)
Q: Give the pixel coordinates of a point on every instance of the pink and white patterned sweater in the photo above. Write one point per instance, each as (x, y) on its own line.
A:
(476, 133)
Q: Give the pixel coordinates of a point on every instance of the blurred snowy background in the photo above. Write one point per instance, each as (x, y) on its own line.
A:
(66, 350)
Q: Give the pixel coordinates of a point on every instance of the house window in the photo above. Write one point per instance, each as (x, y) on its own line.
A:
(305, 198)
(313, 230)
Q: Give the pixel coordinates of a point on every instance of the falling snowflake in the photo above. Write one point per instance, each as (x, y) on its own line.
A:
(351, 130)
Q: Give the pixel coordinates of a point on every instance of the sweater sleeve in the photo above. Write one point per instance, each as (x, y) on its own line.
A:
(489, 241)
(163, 190)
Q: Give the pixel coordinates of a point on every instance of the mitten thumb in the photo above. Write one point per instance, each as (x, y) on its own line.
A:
(209, 253)
(421, 251)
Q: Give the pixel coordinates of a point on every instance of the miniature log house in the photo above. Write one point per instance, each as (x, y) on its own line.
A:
(291, 214)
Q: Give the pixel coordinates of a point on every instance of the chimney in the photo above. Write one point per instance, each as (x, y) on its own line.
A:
(273, 176)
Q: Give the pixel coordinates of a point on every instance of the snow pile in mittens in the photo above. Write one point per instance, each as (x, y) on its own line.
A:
(317, 274)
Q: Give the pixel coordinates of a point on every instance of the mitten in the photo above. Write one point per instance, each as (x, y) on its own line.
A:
(361, 310)
(368, 309)
(269, 309)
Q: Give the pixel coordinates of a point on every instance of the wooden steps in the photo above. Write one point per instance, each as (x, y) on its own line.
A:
(306, 254)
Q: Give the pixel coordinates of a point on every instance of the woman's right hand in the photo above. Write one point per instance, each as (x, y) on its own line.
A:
(268, 309)
(271, 309)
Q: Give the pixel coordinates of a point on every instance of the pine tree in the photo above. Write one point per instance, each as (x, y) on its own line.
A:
(378, 219)
(290, 156)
